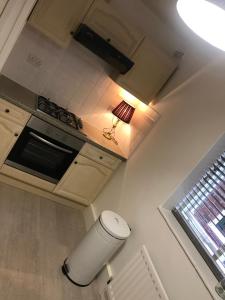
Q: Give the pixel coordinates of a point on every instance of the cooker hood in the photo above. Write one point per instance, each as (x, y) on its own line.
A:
(95, 43)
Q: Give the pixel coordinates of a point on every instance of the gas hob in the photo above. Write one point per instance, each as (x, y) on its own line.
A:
(52, 109)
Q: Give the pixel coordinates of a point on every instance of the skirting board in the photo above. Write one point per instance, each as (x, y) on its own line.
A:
(29, 188)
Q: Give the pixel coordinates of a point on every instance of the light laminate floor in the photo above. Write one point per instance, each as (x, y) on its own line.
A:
(35, 237)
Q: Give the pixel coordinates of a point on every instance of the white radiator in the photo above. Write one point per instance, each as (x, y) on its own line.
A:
(138, 280)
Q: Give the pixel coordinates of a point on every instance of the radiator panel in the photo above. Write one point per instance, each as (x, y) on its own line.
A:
(138, 280)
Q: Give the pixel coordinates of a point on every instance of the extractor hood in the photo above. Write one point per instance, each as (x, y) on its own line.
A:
(102, 48)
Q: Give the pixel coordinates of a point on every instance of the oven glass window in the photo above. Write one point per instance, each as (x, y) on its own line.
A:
(41, 156)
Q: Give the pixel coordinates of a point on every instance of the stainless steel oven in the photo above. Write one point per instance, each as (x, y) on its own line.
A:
(44, 150)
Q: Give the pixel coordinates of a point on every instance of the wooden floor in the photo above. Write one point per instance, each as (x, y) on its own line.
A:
(35, 237)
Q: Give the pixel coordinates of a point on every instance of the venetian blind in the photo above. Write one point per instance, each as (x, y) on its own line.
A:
(202, 215)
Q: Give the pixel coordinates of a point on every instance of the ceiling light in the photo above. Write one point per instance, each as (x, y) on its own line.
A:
(206, 19)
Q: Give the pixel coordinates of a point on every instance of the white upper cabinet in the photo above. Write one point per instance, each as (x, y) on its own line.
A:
(113, 27)
(57, 18)
(13, 16)
(152, 69)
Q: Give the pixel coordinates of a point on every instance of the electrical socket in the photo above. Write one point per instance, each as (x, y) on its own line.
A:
(34, 60)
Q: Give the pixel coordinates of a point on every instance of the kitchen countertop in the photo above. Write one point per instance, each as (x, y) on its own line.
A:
(25, 99)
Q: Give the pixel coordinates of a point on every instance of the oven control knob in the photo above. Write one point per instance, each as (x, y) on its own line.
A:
(16, 134)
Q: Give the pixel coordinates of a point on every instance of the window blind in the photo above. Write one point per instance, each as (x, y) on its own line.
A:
(202, 215)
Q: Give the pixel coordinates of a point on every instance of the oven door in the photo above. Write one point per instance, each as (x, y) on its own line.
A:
(41, 155)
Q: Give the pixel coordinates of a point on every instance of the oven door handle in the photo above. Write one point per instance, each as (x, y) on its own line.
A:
(50, 144)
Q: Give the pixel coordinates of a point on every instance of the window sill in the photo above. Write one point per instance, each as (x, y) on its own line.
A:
(194, 257)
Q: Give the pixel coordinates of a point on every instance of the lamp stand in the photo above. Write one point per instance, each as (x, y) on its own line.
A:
(109, 133)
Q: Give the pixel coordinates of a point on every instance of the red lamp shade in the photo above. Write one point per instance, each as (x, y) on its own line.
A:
(124, 111)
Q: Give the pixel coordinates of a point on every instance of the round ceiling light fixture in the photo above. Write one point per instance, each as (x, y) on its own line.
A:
(206, 19)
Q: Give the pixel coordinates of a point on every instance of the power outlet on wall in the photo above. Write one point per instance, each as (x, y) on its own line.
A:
(34, 60)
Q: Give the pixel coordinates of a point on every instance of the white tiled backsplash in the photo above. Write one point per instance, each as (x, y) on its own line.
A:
(74, 77)
(77, 80)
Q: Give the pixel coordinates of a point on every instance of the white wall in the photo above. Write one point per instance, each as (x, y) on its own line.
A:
(73, 77)
(193, 117)
(76, 79)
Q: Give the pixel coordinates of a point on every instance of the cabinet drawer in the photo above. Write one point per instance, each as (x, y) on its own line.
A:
(100, 156)
(13, 113)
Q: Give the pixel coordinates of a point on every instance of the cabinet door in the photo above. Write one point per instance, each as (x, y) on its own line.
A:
(9, 132)
(83, 180)
(11, 112)
(110, 25)
(57, 18)
(151, 70)
(13, 16)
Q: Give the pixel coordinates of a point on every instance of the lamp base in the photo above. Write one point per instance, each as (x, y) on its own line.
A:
(110, 136)
(109, 133)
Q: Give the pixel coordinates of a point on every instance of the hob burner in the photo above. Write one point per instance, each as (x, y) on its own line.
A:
(58, 112)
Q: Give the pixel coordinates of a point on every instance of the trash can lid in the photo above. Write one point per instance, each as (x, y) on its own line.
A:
(114, 224)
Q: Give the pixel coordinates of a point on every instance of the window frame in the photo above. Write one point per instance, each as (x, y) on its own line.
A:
(198, 246)
(206, 271)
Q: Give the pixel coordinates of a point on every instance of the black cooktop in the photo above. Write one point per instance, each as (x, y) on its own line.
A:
(52, 109)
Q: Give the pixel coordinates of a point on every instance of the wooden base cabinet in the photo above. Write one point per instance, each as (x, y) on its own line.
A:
(12, 122)
(83, 180)
(9, 132)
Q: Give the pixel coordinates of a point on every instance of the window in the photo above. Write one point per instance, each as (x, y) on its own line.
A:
(201, 213)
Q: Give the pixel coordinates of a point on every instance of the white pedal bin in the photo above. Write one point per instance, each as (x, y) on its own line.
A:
(96, 248)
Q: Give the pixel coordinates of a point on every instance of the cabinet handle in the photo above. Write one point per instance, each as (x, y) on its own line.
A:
(7, 110)
(16, 134)
(100, 157)
(76, 162)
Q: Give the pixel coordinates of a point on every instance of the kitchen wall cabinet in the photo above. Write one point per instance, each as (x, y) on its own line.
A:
(112, 26)
(152, 69)
(57, 18)
(83, 180)
(12, 122)
(13, 16)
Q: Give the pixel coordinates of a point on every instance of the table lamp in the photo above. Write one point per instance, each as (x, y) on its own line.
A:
(123, 112)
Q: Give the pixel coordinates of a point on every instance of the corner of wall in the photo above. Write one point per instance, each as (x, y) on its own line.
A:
(90, 216)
